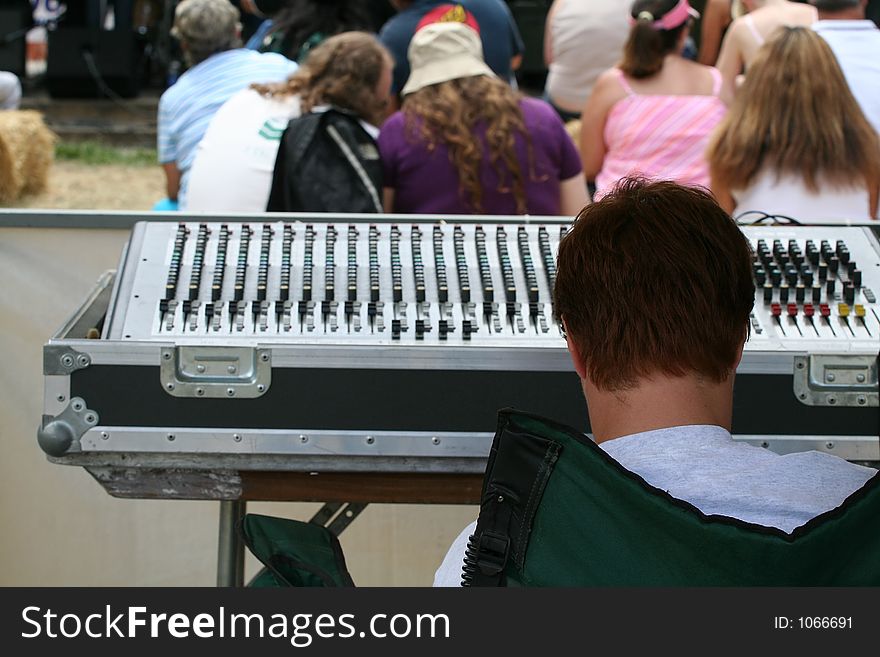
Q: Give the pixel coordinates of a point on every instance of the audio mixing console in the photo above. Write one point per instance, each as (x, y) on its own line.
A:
(350, 341)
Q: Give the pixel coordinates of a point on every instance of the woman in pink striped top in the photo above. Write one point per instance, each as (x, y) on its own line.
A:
(652, 115)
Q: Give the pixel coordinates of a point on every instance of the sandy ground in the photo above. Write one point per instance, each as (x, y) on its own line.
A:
(74, 185)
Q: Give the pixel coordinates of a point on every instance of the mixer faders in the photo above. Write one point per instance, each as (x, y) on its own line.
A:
(347, 282)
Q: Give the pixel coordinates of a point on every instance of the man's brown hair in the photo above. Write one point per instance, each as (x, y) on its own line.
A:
(655, 277)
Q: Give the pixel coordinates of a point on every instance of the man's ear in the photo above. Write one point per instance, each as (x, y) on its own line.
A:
(739, 355)
(577, 360)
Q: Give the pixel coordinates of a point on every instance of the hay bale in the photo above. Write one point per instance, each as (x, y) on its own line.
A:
(27, 149)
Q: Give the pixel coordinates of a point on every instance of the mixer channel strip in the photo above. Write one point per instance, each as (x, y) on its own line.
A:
(260, 305)
(284, 306)
(306, 308)
(374, 309)
(445, 325)
(214, 308)
(468, 308)
(399, 322)
(514, 317)
(490, 307)
(168, 303)
(423, 309)
(192, 305)
(238, 305)
(329, 306)
(352, 305)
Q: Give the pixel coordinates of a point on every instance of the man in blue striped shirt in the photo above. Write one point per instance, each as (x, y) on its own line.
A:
(208, 31)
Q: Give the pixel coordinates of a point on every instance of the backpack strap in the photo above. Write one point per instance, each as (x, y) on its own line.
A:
(355, 164)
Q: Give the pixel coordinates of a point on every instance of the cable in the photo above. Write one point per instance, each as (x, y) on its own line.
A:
(89, 59)
(776, 219)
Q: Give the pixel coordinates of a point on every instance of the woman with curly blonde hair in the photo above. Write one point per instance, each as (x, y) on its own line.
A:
(795, 142)
(347, 78)
(466, 143)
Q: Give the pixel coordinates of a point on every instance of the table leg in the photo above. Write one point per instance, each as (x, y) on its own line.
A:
(230, 553)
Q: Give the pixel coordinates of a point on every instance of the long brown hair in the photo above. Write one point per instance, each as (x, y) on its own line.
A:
(342, 71)
(448, 113)
(646, 46)
(795, 114)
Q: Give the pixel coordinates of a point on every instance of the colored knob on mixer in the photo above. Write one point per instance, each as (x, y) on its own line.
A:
(809, 310)
(792, 310)
(843, 309)
(824, 310)
(775, 309)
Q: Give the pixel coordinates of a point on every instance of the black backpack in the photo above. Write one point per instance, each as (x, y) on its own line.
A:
(326, 162)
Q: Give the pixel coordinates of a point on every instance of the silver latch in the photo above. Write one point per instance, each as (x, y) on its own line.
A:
(836, 380)
(212, 372)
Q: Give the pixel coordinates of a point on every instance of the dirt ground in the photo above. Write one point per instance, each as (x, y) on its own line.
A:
(77, 186)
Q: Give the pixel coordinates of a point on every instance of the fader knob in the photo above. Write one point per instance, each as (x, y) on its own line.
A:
(849, 293)
(799, 293)
(856, 278)
(829, 287)
(783, 293)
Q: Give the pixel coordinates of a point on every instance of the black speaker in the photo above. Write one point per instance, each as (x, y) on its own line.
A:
(82, 61)
(14, 24)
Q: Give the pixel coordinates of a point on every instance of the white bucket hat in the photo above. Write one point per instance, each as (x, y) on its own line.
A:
(444, 51)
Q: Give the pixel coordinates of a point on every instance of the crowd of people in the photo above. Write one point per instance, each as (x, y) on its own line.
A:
(330, 109)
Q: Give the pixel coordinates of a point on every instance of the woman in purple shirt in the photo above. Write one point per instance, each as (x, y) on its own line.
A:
(466, 143)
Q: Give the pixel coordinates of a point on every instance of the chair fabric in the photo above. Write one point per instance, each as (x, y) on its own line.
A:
(294, 553)
(556, 510)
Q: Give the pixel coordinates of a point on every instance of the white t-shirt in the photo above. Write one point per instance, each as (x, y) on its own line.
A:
(587, 38)
(856, 44)
(704, 465)
(789, 196)
(232, 171)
